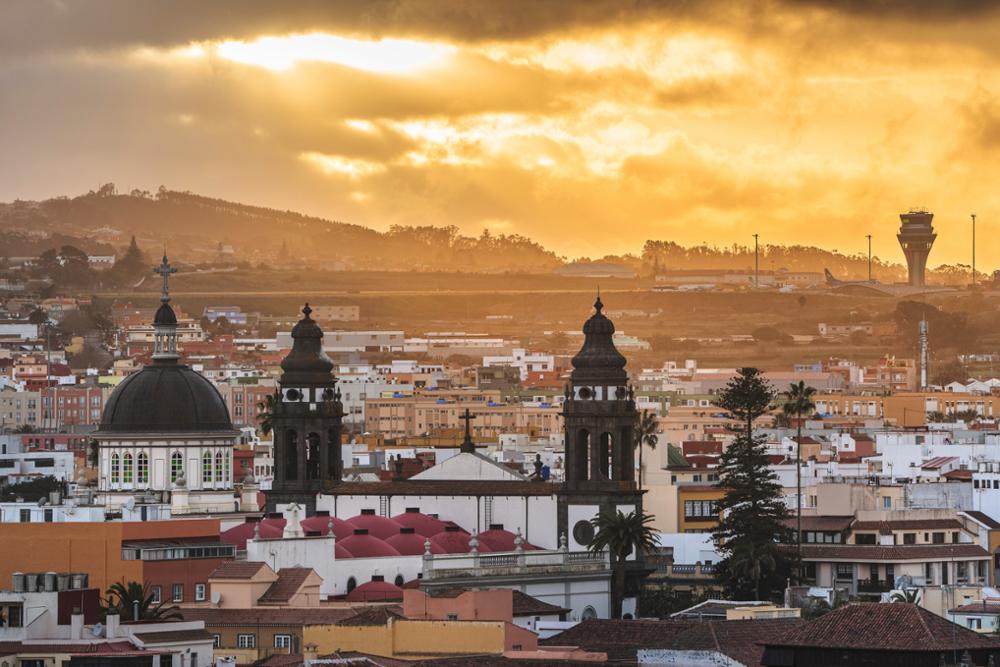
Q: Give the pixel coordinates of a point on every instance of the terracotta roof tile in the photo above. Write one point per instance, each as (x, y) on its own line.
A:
(983, 518)
(290, 580)
(267, 616)
(740, 640)
(884, 627)
(620, 639)
(866, 552)
(887, 527)
(525, 605)
(237, 569)
(372, 616)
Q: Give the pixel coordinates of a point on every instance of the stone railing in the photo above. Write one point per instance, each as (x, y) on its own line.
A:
(511, 563)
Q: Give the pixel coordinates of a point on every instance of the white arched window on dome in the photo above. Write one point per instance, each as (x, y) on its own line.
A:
(115, 468)
(176, 466)
(142, 468)
(206, 468)
(127, 468)
(218, 467)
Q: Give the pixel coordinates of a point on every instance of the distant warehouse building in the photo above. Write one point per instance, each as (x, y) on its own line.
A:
(595, 270)
(233, 314)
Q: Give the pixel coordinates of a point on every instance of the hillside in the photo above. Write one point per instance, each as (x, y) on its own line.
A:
(204, 230)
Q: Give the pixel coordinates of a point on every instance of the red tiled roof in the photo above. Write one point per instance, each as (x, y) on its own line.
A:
(237, 569)
(874, 552)
(960, 474)
(372, 616)
(525, 605)
(375, 591)
(119, 648)
(822, 523)
(377, 526)
(265, 616)
(884, 627)
(290, 580)
(983, 518)
(740, 640)
(982, 607)
(938, 462)
(618, 638)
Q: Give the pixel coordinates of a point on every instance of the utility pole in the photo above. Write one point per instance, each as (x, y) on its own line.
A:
(973, 249)
(869, 237)
(756, 262)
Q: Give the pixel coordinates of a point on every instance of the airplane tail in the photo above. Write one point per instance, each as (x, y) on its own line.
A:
(830, 280)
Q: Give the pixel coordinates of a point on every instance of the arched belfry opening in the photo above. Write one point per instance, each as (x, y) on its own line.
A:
(306, 421)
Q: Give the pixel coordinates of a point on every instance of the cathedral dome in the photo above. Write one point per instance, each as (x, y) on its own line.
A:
(599, 360)
(307, 363)
(165, 315)
(165, 397)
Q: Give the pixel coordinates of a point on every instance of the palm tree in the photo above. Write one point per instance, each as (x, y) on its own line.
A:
(621, 534)
(265, 413)
(906, 596)
(125, 597)
(645, 434)
(798, 403)
(750, 562)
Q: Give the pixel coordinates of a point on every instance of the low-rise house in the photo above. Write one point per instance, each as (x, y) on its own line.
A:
(981, 616)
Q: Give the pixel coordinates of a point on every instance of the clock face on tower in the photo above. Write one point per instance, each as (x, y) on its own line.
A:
(583, 532)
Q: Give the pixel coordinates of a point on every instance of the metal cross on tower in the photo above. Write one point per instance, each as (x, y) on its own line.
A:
(467, 444)
(164, 269)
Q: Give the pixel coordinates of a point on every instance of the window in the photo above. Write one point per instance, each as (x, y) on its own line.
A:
(699, 509)
(845, 571)
(954, 538)
(176, 466)
(974, 623)
(282, 641)
(246, 641)
(351, 584)
(157, 593)
(128, 470)
(937, 538)
(199, 592)
(25, 516)
(887, 502)
(216, 641)
(452, 617)
(115, 468)
(864, 538)
(218, 467)
(909, 538)
(48, 515)
(206, 468)
(178, 593)
(142, 468)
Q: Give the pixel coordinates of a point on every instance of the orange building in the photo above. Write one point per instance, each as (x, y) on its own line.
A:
(167, 554)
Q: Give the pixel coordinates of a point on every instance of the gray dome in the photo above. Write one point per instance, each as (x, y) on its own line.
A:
(599, 361)
(165, 397)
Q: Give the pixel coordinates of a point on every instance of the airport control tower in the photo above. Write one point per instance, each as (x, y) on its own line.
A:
(916, 236)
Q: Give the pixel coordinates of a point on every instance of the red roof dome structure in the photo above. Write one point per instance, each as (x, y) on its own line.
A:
(378, 526)
(409, 543)
(375, 590)
(238, 535)
(498, 539)
(423, 524)
(455, 541)
(320, 524)
(363, 545)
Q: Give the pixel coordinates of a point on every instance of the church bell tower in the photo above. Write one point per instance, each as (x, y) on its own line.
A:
(600, 420)
(305, 421)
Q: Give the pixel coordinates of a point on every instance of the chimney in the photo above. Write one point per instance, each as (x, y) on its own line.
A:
(111, 623)
(310, 652)
(76, 624)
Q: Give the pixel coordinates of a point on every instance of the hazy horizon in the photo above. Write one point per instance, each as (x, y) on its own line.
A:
(587, 127)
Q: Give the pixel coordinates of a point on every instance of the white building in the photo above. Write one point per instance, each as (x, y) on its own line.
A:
(525, 362)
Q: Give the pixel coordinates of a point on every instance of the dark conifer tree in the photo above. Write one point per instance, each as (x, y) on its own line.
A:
(753, 511)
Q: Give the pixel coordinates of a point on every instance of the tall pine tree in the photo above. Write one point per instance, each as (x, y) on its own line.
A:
(753, 511)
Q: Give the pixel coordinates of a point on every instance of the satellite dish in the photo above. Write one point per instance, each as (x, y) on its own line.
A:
(216, 597)
(97, 630)
(130, 504)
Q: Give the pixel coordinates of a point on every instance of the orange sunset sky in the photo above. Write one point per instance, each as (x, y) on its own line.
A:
(587, 126)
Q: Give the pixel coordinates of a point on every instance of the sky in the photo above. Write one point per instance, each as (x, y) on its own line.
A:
(587, 126)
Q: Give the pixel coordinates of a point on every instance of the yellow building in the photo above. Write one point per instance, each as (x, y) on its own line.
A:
(382, 632)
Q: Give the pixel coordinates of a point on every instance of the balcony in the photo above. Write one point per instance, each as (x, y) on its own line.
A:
(874, 586)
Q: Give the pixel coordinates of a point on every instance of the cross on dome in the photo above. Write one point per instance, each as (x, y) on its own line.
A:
(164, 270)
